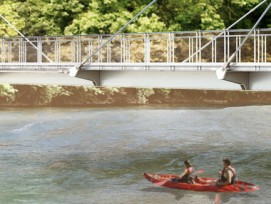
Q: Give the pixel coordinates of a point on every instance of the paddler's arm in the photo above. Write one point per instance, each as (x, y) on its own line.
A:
(229, 176)
(184, 173)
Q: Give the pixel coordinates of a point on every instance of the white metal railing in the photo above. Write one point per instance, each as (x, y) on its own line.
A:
(170, 47)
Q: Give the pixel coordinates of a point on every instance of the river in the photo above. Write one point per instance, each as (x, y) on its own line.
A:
(99, 155)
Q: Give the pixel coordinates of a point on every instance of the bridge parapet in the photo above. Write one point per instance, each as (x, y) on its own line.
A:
(170, 47)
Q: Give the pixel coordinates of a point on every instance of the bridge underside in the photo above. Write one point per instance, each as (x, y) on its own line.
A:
(185, 80)
(144, 78)
(254, 76)
(41, 78)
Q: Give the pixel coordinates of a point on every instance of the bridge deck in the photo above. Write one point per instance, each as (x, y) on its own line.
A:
(63, 67)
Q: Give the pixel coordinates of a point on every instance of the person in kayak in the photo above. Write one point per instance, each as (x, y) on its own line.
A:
(185, 177)
(228, 174)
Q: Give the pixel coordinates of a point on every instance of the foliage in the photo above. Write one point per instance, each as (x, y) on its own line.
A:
(143, 94)
(37, 95)
(65, 17)
(86, 96)
(7, 93)
(8, 11)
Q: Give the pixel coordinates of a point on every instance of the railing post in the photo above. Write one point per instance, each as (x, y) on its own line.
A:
(9, 51)
(228, 44)
(73, 51)
(57, 49)
(79, 48)
(215, 51)
(255, 45)
(24, 50)
(240, 52)
(213, 57)
(197, 46)
(236, 47)
(122, 49)
(213, 42)
(100, 53)
(189, 49)
(146, 48)
(90, 49)
(259, 45)
(265, 50)
(108, 52)
(225, 46)
(20, 53)
(173, 47)
(200, 50)
(128, 50)
(170, 47)
(39, 52)
(262, 49)
(2, 50)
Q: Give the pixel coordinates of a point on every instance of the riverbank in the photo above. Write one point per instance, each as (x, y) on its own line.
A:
(85, 96)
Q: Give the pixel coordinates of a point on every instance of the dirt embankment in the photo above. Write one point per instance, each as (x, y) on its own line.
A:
(54, 96)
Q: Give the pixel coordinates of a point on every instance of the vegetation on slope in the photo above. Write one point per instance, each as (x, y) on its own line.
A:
(86, 96)
(66, 17)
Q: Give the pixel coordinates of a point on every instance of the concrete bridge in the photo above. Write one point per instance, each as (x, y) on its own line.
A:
(169, 60)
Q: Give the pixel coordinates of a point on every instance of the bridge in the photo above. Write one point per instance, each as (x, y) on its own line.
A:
(172, 53)
(225, 59)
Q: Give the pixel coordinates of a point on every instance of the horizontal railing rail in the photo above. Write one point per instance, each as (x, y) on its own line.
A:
(174, 66)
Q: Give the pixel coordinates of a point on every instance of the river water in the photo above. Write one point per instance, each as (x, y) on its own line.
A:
(99, 155)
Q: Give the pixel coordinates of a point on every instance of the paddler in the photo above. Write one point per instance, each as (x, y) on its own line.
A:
(185, 177)
(228, 174)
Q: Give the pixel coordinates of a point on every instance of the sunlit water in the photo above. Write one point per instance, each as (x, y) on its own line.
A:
(99, 155)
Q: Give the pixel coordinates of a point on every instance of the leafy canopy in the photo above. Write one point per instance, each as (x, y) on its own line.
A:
(66, 17)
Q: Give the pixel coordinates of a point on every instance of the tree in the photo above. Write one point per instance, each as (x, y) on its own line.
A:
(66, 17)
(108, 16)
(7, 93)
(8, 11)
(232, 10)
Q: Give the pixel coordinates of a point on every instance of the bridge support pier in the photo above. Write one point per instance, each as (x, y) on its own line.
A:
(241, 78)
(94, 76)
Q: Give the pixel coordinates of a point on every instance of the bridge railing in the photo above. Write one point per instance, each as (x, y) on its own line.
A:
(171, 47)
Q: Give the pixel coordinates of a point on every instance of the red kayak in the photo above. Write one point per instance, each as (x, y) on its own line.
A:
(204, 184)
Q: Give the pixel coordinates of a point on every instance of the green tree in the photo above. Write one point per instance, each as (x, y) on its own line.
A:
(58, 17)
(7, 93)
(191, 14)
(232, 10)
(210, 17)
(8, 9)
(108, 16)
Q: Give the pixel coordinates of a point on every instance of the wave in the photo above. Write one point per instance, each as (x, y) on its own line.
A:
(25, 127)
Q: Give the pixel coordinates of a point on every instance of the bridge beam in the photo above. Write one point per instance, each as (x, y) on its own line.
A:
(94, 76)
(241, 78)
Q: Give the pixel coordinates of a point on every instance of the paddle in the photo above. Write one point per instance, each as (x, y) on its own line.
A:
(200, 171)
(217, 198)
(160, 183)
